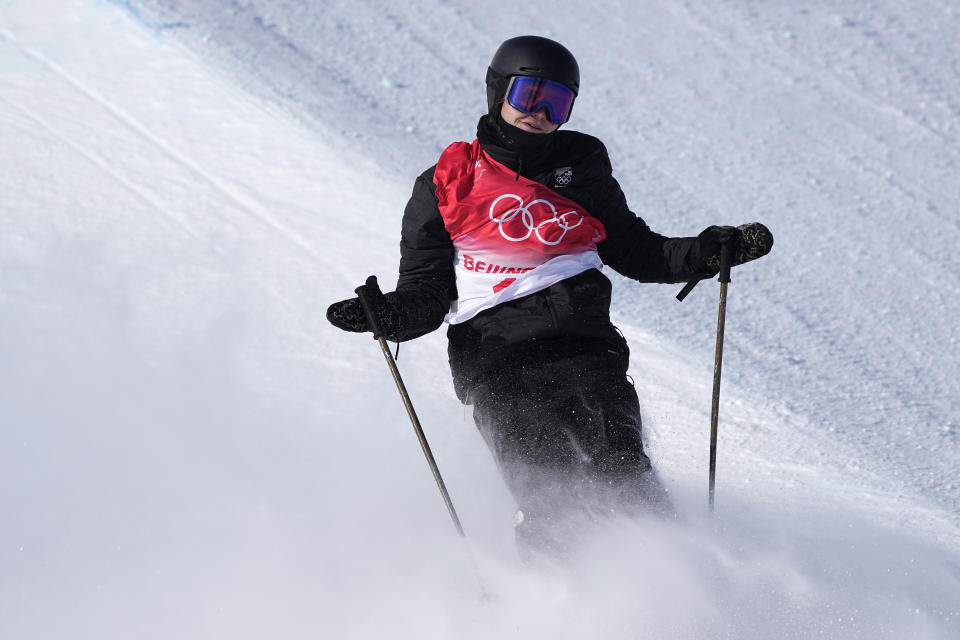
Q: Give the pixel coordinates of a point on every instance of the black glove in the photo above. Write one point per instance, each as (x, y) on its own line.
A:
(711, 240)
(350, 316)
(749, 242)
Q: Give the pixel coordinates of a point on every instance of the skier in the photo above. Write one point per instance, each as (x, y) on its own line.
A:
(504, 239)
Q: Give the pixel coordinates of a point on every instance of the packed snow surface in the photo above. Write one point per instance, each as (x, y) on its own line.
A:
(189, 450)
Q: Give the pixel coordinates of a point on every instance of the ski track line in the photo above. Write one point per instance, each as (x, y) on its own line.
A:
(245, 203)
(106, 167)
(139, 191)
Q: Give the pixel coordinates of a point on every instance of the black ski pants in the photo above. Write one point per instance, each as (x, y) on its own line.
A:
(566, 432)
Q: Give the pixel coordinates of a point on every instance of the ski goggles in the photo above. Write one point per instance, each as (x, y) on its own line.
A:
(529, 94)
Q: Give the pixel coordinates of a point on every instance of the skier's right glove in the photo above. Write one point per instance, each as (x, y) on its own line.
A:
(349, 315)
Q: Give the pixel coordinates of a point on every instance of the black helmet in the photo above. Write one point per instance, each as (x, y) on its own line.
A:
(530, 56)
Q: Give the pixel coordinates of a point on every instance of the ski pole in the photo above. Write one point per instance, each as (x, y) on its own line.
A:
(755, 241)
(364, 292)
(725, 260)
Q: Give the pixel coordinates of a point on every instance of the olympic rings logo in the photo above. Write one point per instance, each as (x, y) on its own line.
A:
(521, 218)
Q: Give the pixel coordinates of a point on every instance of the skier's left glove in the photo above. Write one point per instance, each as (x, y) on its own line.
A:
(349, 315)
(749, 242)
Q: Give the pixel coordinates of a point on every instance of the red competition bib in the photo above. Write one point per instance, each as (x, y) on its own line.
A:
(512, 236)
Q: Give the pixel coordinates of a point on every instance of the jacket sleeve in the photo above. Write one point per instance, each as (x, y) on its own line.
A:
(632, 248)
(427, 282)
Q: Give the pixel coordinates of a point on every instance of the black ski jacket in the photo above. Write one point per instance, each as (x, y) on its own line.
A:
(568, 317)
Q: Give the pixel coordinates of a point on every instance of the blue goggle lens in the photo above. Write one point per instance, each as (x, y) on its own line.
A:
(529, 95)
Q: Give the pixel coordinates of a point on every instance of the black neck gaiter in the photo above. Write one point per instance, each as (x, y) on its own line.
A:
(531, 152)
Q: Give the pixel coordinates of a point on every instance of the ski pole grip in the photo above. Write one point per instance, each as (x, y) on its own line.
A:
(726, 259)
(365, 292)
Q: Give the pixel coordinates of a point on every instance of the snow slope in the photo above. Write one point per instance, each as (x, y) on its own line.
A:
(190, 450)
